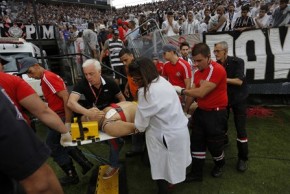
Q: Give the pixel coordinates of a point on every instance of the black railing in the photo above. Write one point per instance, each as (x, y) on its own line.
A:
(66, 67)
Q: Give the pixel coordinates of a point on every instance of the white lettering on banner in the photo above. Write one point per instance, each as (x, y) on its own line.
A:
(260, 51)
(282, 54)
(48, 33)
(30, 29)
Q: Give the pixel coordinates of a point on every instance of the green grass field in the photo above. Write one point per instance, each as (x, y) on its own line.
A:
(268, 172)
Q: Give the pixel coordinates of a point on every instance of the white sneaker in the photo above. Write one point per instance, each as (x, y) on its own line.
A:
(110, 172)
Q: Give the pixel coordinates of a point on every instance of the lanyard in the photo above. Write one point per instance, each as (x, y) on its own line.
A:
(97, 97)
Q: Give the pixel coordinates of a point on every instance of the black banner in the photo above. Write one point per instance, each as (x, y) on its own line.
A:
(28, 32)
(266, 53)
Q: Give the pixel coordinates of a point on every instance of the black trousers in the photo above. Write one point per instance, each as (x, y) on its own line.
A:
(208, 131)
(240, 117)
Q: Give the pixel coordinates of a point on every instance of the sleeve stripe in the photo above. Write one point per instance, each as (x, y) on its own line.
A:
(185, 69)
(49, 84)
(210, 72)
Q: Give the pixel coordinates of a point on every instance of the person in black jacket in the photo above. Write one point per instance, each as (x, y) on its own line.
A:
(23, 167)
(237, 96)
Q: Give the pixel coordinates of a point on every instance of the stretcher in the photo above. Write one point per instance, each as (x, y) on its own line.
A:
(86, 133)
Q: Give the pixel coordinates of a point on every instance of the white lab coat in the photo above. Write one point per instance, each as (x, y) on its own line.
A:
(161, 116)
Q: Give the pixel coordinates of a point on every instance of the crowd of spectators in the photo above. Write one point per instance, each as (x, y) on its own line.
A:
(203, 11)
(77, 25)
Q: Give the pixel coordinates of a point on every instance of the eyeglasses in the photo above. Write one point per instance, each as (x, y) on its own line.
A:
(218, 51)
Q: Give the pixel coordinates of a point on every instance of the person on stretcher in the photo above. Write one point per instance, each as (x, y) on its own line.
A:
(118, 119)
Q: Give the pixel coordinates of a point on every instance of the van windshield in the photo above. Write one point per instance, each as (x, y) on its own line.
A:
(13, 66)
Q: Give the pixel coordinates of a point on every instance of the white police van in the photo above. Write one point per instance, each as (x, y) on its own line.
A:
(14, 49)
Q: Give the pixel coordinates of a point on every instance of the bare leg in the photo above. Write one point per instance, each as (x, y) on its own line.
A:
(119, 128)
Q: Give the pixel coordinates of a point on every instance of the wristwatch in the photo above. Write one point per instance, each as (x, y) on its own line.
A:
(182, 91)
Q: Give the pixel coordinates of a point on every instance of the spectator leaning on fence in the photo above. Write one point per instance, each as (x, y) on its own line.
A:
(231, 16)
(262, 20)
(281, 15)
(222, 20)
(244, 22)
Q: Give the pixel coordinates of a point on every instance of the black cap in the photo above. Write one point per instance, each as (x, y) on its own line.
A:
(168, 47)
(25, 63)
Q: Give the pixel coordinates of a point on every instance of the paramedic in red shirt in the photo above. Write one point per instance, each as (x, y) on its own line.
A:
(176, 70)
(210, 118)
(56, 95)
(24, 97)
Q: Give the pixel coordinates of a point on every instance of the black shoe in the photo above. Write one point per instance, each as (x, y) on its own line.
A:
(133, 153)
(191, 177)
(217, 171)
(242, 165)
(69, 180)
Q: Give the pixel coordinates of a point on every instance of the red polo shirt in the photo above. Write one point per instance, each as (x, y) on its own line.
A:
(215, 73)
(17, 89)
(51, 84)
(176, 73)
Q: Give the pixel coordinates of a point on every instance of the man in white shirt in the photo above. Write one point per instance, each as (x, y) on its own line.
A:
(281, 15)
(255, 10)
(262, 20)
(231, 16)
(132, 35)
(170, 27)
(190, 26)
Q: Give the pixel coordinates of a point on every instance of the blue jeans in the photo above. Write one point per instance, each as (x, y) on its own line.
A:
(115, 148)
(58, 152)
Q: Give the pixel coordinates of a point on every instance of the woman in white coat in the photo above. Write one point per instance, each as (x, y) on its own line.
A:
(159, 114)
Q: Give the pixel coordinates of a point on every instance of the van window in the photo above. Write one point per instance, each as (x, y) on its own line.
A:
(12, 66)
